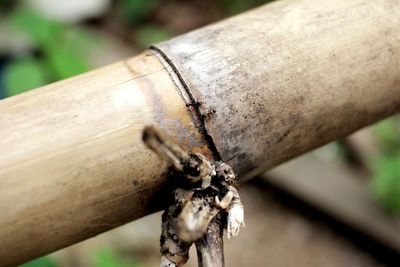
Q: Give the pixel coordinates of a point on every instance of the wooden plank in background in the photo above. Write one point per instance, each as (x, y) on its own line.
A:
(337, 192)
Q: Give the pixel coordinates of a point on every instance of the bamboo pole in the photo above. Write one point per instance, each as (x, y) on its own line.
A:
(254, 90)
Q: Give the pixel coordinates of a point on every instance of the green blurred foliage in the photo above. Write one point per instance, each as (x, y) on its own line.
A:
(41, 262)
(64, 62)
(61, 50)
(388, 134)
(385, 184)
(24, 74)
(41, 31)
(104, 257)
(4, 3)
(151, 34)
(110, 258)
(231, 7)
(107, 258)
(136, 11)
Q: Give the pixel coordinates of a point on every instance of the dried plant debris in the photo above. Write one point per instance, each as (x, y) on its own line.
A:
(204, 201)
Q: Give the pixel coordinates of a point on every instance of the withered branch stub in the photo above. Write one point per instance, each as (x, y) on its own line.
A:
(204, 202)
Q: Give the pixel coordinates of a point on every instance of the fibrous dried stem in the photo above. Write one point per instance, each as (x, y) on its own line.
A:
(210, 247)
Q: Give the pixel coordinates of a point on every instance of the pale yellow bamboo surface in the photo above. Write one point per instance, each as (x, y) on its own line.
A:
(72, 163)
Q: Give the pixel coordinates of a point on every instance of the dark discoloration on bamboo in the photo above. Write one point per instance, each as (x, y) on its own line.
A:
(291, 76)
(174, 124)
(192, 104)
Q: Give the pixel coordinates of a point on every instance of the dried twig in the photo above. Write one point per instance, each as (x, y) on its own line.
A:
(204, 201)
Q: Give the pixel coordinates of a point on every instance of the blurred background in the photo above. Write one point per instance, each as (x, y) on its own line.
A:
(336, 206)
